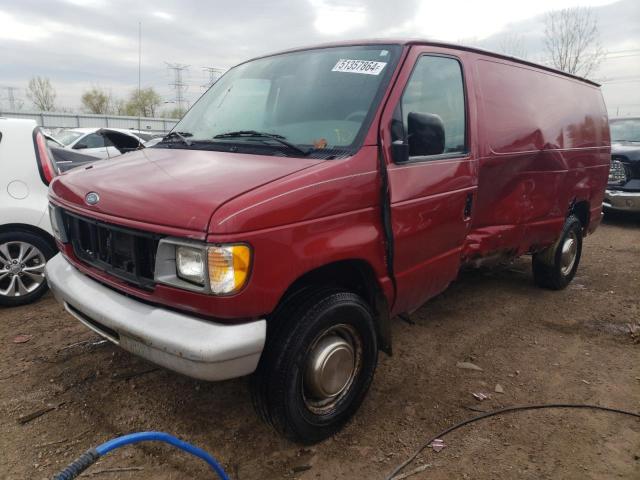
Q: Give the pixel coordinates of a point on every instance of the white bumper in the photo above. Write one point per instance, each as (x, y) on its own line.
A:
(188, 345)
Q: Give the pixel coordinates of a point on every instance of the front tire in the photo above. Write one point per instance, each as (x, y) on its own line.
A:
(22, 259)
(317, 365)
(555, 267)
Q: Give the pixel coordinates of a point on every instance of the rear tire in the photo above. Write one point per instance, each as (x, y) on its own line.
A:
(555, 267)
(317, 365)
(22, 259)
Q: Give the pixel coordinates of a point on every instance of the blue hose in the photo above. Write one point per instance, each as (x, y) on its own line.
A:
(92, 455)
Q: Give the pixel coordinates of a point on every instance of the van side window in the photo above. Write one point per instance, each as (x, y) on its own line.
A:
(433, 109)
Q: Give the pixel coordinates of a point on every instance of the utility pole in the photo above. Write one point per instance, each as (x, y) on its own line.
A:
(179, 86)
(139, 71)
(213, 74)
(11, 97)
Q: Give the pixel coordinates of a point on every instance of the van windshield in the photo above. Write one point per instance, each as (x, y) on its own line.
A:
(316, 100)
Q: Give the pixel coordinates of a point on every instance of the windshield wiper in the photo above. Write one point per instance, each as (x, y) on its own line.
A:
(182, 136)
(273, 136)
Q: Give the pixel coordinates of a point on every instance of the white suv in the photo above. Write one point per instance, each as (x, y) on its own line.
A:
(26, 243)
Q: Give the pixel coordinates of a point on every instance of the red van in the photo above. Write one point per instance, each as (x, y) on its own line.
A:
(311, 196)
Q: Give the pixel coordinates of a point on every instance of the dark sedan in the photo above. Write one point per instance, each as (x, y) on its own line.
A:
(623, 190)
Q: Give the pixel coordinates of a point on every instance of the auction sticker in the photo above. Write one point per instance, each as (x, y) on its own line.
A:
(368, 67)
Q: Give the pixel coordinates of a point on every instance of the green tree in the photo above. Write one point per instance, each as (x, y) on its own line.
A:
(97, 101)
(144, 103)
(41, 93)
(120, 106)
(177, 112)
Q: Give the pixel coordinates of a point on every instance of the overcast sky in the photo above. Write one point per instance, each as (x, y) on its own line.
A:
(78, 44)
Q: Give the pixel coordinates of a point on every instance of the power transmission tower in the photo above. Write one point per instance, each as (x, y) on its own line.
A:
(179, 86)
(213, 74)
(11, 97)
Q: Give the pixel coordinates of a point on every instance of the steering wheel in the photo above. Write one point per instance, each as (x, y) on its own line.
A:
(354, 115)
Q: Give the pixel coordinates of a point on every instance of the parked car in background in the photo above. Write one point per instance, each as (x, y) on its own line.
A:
(51, 140)
(67, 159)
(26, 242)
(103, 142)
(311, 196)
(623, 190)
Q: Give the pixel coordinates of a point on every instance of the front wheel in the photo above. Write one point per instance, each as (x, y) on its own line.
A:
(317, 365)
(22, 259)
(555, 267)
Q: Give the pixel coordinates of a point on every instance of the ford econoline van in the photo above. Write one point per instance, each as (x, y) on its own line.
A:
(311, 196)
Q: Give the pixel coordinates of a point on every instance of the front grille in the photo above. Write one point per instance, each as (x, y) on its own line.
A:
(617, 172)
(127, 254)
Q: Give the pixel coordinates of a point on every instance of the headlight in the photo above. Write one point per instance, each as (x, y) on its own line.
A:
(190, 264)
(228, 268)
(215, 269)
(57, 225)
(617, 172)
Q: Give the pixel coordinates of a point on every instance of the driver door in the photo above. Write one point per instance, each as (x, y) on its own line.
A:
(431, 172)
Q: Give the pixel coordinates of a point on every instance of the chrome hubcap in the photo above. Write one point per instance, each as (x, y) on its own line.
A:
(331, 367)
(569, 253)
(21, 268)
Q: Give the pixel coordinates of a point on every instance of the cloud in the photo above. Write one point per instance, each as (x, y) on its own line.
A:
(335, 19)
(13, 29)
(163, 15)
(82, 43)
(454, 19)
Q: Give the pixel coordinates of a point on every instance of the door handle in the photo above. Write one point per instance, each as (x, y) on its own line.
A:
(468, 205)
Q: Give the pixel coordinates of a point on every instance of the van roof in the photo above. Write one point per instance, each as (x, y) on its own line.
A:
(435, 43)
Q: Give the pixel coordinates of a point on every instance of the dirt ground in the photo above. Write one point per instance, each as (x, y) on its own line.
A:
(540, 346)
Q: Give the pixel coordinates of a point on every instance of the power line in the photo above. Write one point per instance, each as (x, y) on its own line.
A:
(633, 50)
(612, 57)
(11, 97)
(214, 74)
(179, 86)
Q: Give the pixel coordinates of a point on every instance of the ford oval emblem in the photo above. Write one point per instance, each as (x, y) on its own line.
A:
(92, 198)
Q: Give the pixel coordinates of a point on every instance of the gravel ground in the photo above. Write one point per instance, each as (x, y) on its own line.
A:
(540, 346)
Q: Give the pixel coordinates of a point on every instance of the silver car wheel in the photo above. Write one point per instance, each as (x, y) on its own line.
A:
(569, 253)
(333, 362)
(21, 269)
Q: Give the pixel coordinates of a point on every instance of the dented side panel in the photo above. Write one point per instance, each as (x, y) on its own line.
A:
(545, 146)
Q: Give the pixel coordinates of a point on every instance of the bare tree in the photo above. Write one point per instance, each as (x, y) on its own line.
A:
(41, 93)
(572, 40)
(513, 45)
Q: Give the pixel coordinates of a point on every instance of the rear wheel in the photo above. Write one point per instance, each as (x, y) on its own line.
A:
(317, 364)
(22, 259)
(555, 267)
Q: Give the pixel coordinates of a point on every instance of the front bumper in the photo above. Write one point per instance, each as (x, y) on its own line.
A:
(619, 200)
(188, 345)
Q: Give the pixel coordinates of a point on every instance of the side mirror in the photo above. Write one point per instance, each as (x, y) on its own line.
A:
(79, 146)
(426, 134)
(399, 148)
